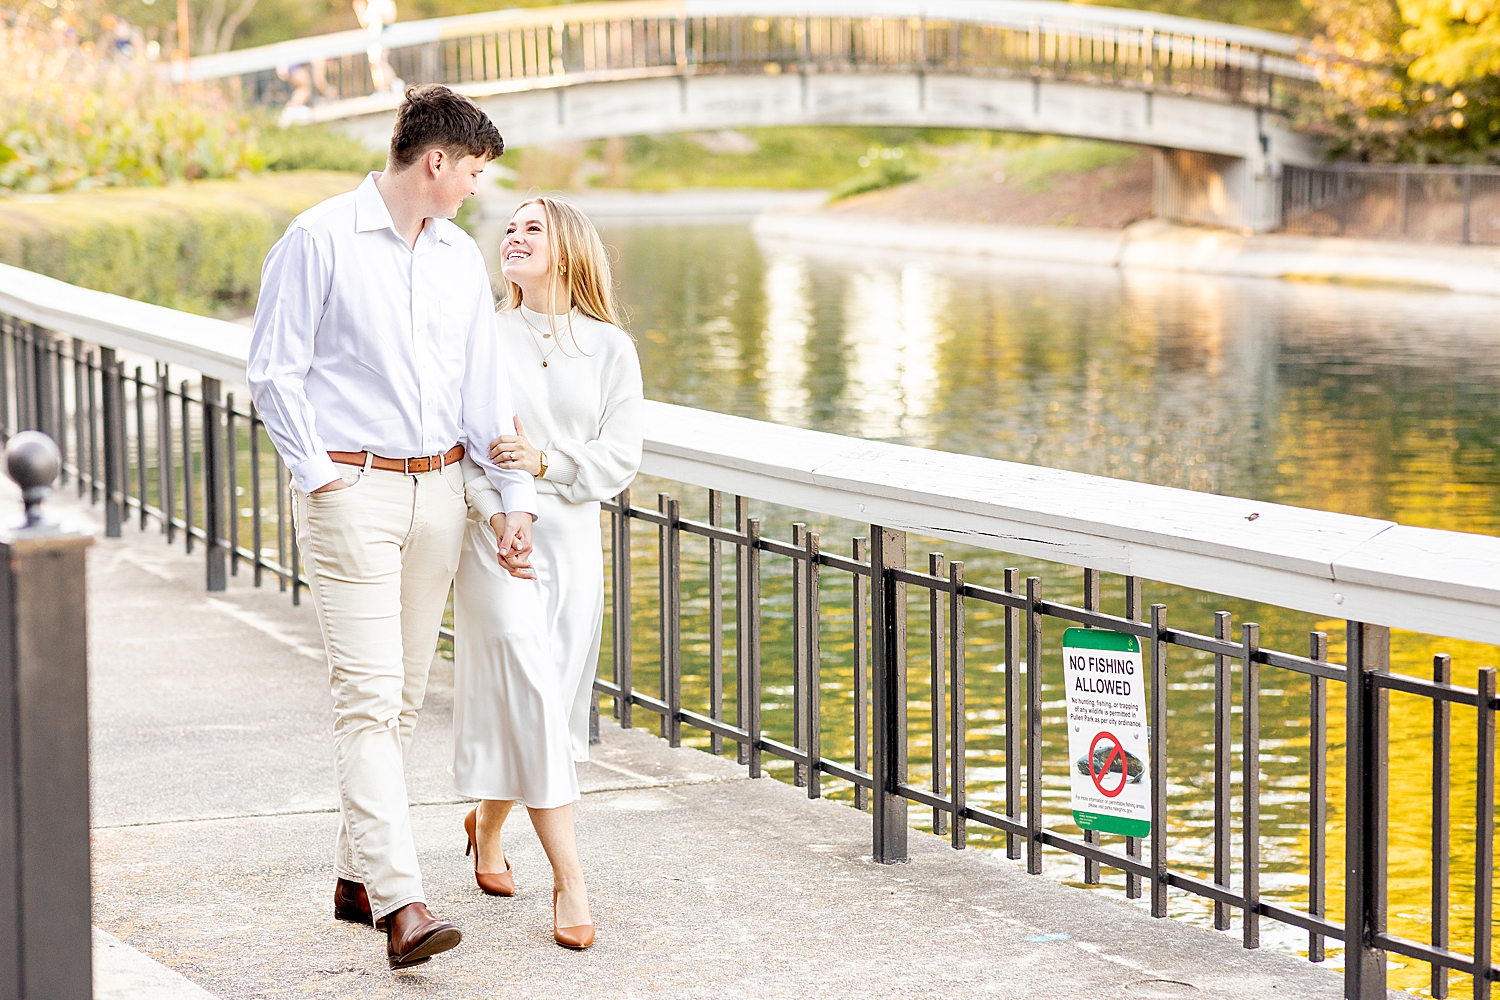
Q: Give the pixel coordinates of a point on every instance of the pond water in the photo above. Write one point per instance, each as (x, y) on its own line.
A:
(1382, 403)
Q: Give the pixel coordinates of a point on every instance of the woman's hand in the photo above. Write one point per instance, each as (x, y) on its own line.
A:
(513, 544)
(514, 451)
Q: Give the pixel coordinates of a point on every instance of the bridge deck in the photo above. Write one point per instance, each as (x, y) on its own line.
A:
(213, 807)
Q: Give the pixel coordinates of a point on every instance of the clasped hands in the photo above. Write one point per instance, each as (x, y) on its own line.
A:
(515, 451)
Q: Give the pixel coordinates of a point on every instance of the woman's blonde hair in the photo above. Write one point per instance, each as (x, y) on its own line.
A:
(580, 266)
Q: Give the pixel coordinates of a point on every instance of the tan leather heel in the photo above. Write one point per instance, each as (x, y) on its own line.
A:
(492, 883)
(578, 937)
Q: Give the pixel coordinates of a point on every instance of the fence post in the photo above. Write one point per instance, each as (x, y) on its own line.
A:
(45, 932)
(888, 684)
(620, 563)
(109, 370)
(214, 525)
(1468, 202)
(1364, 854)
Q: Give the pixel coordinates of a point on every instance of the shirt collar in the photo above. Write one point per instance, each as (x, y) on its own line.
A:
(371, 214)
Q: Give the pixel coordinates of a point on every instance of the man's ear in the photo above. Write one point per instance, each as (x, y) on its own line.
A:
(436, 158)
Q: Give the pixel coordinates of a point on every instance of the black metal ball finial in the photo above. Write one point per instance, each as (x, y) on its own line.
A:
(33, 461)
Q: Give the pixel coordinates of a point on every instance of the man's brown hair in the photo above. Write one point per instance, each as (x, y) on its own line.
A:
(434, 117)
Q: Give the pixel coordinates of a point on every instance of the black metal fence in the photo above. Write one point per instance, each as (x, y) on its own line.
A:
(185, 460)
(563, 44)
(1410, 202)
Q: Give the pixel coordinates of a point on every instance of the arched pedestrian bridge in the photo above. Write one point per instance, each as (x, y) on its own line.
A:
(1218, 100)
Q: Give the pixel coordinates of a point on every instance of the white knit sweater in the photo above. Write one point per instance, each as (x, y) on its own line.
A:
(583, 408)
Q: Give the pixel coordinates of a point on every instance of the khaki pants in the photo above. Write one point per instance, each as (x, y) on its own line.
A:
(380, 555)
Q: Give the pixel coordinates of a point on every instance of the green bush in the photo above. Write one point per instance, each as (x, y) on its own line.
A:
(314, 147)
(880, 174)
(197, 247)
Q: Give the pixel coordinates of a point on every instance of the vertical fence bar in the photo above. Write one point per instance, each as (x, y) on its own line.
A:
(113, 516)
(1034, 725)
(256, 526)
(231, 486)
(1250, 779)
(742, 651)
(799, 654)
(7, 326)
(1468, 185)
(140, 442)
(1158, 750)
(187, 471)
(1317, 791)
(812, 658)
(1364, 852)
(861, 597)
(1091, 603)
(296, 571)
(281, 516)
(1133, 600)
(80, 413)
(1442, 673)
(1484, 832)
(750, 616)
(715, 622)
(1012, 715)
(937, 680)
(166, 479)
(888, 551)
(93, 393)
(1223, 789)
(671, 603)
(957, 707)
(213, 486)
(621, 568)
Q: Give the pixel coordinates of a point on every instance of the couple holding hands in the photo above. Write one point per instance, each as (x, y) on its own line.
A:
(433, 442)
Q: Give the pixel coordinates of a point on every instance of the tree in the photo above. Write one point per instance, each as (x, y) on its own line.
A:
(1406, 80)
(1453, 42)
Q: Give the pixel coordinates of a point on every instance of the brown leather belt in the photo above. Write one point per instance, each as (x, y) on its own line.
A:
(410, 466)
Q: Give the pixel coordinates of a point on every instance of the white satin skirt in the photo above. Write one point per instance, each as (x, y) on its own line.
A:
(524, 657)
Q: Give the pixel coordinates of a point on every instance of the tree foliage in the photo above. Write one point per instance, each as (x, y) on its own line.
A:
(1409, 80)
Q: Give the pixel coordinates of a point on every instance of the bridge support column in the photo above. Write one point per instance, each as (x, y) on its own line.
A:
(1229, 191)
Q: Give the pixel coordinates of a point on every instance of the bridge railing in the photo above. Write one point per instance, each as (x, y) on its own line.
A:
(524, 49)
(849, 671)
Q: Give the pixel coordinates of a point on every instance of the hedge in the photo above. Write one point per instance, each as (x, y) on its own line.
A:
(197, 247)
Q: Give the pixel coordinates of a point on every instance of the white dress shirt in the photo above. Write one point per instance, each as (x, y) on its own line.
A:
(363, 343)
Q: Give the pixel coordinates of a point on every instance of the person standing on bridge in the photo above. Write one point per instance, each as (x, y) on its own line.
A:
(521, 700)
(373, 364)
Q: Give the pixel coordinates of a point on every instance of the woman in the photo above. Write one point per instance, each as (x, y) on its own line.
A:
(522, 693)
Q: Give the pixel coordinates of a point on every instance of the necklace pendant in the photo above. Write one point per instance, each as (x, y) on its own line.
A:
(544, 364)
(547, 336)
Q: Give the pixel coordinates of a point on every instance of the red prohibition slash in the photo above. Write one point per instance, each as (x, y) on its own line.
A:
(1117, 753)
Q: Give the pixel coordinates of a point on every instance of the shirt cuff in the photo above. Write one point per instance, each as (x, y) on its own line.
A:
(486, 502)
(313, 473)
(561, 469)
(519, 498)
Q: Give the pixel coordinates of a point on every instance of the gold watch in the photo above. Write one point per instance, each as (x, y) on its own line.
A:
(543, 459)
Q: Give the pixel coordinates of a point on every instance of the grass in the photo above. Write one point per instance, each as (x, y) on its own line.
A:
(197, 247)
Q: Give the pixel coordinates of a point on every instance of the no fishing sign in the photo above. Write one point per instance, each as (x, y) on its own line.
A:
(1107, 733)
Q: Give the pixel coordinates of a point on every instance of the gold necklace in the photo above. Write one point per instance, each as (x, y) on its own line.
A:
(546, 335)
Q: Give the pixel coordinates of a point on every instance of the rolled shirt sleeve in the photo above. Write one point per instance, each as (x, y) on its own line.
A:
(294, 283)
(488, 410)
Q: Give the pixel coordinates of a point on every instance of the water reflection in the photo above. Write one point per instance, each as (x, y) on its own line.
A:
(1379, 403)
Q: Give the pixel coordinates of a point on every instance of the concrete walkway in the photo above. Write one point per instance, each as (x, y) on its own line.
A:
(213, 807)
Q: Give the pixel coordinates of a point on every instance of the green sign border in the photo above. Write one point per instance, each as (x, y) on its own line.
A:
(1099, 638)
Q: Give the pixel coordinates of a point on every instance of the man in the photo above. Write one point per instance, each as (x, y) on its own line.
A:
(374, 366)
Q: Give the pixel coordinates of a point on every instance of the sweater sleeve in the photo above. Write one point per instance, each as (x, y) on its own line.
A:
(591, 471)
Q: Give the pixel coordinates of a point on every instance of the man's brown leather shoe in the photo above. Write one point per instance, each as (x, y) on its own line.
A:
(415, 935)
(351, 902)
